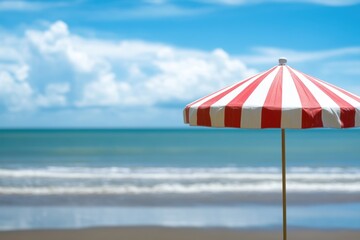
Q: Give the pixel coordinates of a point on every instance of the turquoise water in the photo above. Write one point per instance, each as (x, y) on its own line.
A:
(180, 147)
(210, 172)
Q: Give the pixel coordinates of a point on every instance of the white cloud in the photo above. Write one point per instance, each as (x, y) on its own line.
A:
(62, 69)
(137, 9)
(18, 92)
(155, 10)
(106, 91)
(54, 95)
(339, 66)
(20, 5)
(321, 2)
(335, 2)
(266, 55)
(55, 68)
(57, 40)
(348, 67)
(15, 94)
(156, 1)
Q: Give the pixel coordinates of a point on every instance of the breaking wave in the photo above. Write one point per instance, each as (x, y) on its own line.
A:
(114, 180)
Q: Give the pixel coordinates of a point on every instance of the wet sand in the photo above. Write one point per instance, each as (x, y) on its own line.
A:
(160, 233)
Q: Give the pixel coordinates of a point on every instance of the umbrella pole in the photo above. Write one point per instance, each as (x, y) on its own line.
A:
(283, 182)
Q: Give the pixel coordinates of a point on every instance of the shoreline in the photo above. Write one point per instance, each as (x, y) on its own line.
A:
(336, 216)
(162, 233)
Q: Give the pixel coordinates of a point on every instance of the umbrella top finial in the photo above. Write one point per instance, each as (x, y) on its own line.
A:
(282, 61)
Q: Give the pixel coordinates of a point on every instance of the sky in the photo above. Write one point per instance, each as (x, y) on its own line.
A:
(137, 63)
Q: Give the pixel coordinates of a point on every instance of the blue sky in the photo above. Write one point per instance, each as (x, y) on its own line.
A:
(138, 63)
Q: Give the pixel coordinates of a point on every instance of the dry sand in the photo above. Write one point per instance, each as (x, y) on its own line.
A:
(158, 233)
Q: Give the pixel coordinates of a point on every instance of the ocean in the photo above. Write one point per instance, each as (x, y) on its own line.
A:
(192, 177)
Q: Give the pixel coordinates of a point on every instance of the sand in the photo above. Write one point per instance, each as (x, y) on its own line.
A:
(159, 233)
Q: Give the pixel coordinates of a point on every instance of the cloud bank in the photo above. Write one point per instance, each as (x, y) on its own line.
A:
(54, 68)
(54, 77)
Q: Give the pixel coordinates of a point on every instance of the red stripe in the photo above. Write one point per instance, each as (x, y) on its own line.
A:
(232, 116)
(311, 109)
(203, 111)
(187, 114)
(347, 111)
(271, 111)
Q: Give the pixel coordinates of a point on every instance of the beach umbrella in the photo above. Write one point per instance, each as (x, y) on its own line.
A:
(280, 97)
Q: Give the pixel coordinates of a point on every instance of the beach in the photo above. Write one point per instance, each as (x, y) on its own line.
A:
(173, 119)
(159, 233)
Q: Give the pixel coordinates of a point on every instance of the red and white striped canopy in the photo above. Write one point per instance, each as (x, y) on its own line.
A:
(281, 97)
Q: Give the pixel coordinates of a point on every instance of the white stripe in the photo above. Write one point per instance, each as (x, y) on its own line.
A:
(348, 99)
(252, 108)
(184, 115)
(291, 115)
(217, 110)
(193, 116)
(193, 108)
(330, 110)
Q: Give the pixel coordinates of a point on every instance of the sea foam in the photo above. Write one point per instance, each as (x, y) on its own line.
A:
(115, 180)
